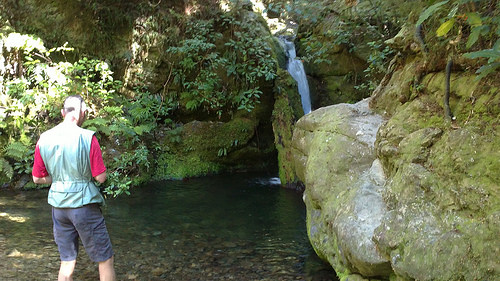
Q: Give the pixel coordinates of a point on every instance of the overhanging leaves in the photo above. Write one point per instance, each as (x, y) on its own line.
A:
(429, 11)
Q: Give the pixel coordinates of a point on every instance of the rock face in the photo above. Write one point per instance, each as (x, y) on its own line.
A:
(419, 198)
(413, 197)
(341, 49)
(287, 110)
(335, 156)
(442, 192)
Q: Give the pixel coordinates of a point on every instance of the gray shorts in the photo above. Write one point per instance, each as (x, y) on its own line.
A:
(87, 223)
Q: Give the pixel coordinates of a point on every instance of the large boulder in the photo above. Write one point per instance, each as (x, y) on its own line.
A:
(423, 202)
(442, 193)
(335, 157)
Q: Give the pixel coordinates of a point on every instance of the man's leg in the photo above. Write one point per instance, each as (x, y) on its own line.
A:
(66, 270)
(107, 270)
(66, 238)
(95, 239)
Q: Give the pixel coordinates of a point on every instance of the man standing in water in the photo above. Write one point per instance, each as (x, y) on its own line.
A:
(68, 157)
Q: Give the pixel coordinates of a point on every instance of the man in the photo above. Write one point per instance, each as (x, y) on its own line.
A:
(68, 157)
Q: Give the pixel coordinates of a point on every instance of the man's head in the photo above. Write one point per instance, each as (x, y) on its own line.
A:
(74, 109)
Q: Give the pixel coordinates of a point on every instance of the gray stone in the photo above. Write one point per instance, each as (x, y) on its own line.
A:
(343, 182)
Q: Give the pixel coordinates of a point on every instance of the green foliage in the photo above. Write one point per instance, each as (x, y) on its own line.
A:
(316, 49)
(123, 168)
(22, 156)
(478, 20)
(430, 11)
(493, 57)
(377, 64)
(118, 184)
(31, 85)
(6, 170)
(31, 97)
(212, 64)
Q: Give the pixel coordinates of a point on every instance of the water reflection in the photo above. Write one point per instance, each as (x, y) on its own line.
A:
(238, 227)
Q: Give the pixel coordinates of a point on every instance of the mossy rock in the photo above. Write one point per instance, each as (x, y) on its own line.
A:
(287, 110)
(340, 63)
(443, 191)
(341, 177)
(333, 90)
(206, 147)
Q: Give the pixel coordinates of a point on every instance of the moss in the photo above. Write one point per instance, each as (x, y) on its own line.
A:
(177, 167)
(279, 53)
(287, 110)
(283, 126)
(389, 97)
(443, 181)
(200, 148)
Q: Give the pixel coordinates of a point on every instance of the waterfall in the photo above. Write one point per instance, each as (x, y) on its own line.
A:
(296, 70)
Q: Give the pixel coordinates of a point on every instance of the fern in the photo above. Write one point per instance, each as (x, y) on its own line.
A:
(6, 169)
(98, 125)
(17, 151)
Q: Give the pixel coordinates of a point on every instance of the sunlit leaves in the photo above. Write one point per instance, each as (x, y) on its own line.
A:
(213, 67)
(481, 25)
(445, 27)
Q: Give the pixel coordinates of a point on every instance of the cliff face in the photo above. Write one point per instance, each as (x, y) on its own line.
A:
(414, 196)
(443, 180)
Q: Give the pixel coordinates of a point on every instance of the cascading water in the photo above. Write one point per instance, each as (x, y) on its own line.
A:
(296, 70)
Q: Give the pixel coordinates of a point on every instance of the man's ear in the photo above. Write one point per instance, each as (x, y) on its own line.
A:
(62, 113)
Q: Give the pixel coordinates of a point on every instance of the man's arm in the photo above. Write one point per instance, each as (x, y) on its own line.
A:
(39, 173)
(96, 162)
(43, 180)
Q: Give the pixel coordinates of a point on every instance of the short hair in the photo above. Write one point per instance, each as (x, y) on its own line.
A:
(73, 103)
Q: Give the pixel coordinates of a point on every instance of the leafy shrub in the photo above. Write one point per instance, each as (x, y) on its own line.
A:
(212, 64)
(34, 87)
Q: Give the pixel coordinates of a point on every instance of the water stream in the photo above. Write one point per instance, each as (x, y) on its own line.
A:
(237, 227)
(296, 69)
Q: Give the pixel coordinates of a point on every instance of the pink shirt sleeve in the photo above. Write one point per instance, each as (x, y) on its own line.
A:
(39, 169)
(96, 162)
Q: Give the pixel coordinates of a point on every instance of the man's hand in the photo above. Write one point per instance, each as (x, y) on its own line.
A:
(101, 177)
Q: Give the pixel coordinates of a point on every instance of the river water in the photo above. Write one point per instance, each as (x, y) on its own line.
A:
(236, 227)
